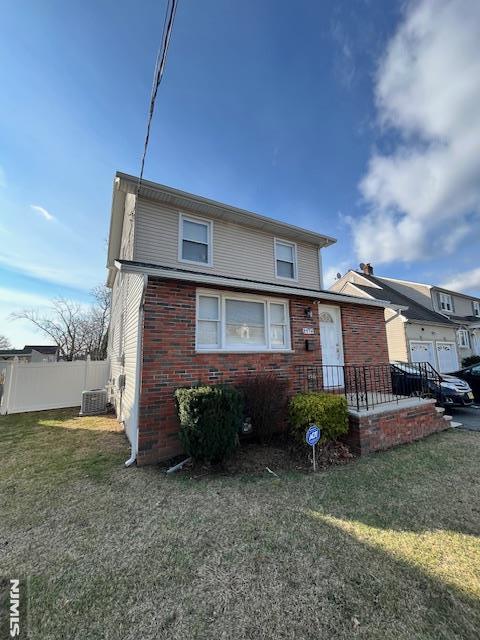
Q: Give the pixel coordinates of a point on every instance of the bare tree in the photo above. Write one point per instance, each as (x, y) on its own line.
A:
(77, 330)
(5, 342)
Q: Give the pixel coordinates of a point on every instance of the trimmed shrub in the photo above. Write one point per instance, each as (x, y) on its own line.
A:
(467, 362)
(265, 403)
(327, 410)
(210, 419)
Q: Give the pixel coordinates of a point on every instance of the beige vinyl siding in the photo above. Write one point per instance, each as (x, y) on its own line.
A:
(418, 292)
(126, 301)
(417, 331)
(350, 290)
(396, 339)
(461, 306)
(238, 250)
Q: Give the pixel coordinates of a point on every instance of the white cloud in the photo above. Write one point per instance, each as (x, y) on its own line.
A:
(465, 281)
(43, 212)
(422, 196)
(20, 332)
(330, 273)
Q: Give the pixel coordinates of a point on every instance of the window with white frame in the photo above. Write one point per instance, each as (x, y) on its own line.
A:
(462, 337)
(445, 302)
(476, 308)
(285, 259)
(195, 235)
(233, 322)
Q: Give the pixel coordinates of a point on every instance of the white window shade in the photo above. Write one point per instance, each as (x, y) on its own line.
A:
(285, 260)
(208, 321)
(245, 322)
(195, 232)
(195, 241)
(278, 326)
(227, 322)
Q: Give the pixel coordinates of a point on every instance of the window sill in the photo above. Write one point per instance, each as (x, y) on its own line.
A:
(244, 351)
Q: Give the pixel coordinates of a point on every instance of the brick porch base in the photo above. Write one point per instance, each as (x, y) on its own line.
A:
(388, 426)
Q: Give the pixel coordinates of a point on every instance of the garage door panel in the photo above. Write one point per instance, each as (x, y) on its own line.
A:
(422, 352)
(447, 357)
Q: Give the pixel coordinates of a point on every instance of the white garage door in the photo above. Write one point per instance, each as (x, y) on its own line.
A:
(447, 357)
(422, 352)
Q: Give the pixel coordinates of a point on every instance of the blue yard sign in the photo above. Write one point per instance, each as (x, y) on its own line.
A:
(312, 436)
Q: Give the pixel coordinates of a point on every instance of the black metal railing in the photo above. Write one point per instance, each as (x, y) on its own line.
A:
(366, 387)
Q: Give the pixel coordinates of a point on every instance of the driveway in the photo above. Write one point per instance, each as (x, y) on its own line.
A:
(468, 416)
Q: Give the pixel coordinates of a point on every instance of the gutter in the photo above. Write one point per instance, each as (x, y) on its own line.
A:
(138, 379)
(228, 281)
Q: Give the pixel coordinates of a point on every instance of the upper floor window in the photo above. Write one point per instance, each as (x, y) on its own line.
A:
(234, 322)
(195, 237)
(476, 308)
(462, 337)
(285, 260)
(445, 302)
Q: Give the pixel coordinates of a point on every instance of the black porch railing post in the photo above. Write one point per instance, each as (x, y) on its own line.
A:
(365, 387)
(356, 388)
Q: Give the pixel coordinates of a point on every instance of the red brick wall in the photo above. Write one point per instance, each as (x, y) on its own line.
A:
(389, 428)
(170, 361)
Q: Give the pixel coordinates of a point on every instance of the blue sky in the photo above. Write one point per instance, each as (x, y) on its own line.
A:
(358, 119)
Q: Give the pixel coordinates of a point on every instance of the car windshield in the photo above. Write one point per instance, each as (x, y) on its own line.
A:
(417, 368)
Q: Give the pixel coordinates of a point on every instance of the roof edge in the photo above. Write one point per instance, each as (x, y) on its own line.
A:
(308, 234)
(207, 278)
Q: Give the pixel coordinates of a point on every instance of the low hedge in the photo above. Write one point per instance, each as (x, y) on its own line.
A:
(328, 411)
(467, 362)
(210, 421)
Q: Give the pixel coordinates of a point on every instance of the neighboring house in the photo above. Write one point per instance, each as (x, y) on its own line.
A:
(424, 323)
(29, 353)
(203, 292)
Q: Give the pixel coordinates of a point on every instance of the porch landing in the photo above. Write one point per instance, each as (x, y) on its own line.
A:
(393, 423)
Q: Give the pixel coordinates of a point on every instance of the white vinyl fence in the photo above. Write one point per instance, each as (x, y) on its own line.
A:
(33, 386)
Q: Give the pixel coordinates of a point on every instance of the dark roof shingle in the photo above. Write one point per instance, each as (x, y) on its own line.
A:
(415, 311)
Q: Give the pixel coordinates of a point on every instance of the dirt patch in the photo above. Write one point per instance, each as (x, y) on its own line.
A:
(255, 459)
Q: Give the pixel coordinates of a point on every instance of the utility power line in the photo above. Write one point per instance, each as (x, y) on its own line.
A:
(157, 76)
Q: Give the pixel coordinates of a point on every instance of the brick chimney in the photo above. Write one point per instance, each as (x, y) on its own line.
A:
(367, 269)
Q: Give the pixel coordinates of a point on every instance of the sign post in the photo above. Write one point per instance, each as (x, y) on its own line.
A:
(312, 436)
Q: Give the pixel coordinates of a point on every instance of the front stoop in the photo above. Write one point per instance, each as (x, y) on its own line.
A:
(389, 425)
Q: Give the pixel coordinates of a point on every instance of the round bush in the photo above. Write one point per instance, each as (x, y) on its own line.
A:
(210, 419)
(327, 410)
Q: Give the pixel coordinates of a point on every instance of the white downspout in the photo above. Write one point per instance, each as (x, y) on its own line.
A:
(138, 380)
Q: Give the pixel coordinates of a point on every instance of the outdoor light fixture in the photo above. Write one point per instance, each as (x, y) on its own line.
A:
(308, 313)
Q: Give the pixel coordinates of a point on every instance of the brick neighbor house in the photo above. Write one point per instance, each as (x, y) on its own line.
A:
(205, 293)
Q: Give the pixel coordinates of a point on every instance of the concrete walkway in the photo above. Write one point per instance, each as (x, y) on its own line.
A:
(468, 416)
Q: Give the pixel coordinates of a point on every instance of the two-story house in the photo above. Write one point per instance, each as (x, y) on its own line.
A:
(203, 292)
(435, 325)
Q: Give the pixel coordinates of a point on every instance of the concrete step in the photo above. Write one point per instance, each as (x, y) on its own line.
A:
(447, 418)
(440, 409)
(455, 424)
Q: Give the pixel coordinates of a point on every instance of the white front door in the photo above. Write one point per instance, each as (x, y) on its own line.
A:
(332, 345)
(447, 357)
(422, 352)
(476, 344)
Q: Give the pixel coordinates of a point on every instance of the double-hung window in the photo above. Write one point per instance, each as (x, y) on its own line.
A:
(476, 308)
(445, 302)
(462, 337)
(195, 235)
(232, 322)
(285, 260)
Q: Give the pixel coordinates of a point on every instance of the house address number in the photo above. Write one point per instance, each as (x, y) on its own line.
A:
(308, 331)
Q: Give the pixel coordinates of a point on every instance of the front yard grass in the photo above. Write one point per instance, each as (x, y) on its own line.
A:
(385, 547)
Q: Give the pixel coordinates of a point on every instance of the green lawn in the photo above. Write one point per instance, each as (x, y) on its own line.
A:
(385, 547)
